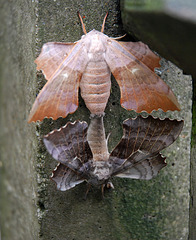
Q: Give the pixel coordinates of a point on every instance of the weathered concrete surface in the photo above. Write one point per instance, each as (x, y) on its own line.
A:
(192, 229)
(135, 210)
(17, 139)
(168, 26)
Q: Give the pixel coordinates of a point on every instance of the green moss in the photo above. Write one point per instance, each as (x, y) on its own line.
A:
(143, 5)
(138, 207)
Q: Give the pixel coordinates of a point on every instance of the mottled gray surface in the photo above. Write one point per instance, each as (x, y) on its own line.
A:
(168, 26)
(192, 230)
(18, 144)
(156, 209)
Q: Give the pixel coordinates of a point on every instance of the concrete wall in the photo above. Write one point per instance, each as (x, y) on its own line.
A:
(156, 209)
(169, 27)
(17, 139)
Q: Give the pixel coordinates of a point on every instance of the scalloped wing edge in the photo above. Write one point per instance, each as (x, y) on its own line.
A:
(68, 123)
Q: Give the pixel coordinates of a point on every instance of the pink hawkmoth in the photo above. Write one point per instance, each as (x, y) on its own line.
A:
(83, 154)
(87, 64)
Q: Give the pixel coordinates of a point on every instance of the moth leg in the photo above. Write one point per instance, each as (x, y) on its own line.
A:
(110, 185)
(102, 190)
(87, 191)
(120, 37)
(107, 185)
(108, 137)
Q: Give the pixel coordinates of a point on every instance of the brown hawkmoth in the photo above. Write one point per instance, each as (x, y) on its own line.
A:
(83, 154)
(87, 64)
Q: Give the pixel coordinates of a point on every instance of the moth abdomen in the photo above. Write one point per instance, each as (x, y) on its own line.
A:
(96, 138)
(95, 86)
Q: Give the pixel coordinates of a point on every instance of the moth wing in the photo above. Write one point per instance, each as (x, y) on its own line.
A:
(65, 178)
(69, 145)
(51, 57)
(143, 53)
(141, 89)
(138, 150)
(59, 96)
(147, 136)
(145, 169)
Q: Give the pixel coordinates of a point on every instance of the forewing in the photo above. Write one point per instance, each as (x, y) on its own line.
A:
(51, 57)
(143, 53)
(148, 135)
(141, 89)
(65, 178)
(69, 145)
(59, 96)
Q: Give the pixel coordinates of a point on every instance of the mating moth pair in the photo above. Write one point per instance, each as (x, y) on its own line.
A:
(82, 151)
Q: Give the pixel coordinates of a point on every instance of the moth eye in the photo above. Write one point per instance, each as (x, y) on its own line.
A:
(109, 41)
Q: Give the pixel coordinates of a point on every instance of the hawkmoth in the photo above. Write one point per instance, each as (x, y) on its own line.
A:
(83, 155)
(87, 64)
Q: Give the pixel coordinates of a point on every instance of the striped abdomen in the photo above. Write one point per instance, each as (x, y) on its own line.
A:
(95, 86)
(96, 138)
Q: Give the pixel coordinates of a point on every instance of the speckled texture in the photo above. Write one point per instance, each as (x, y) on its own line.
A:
(192, 229)
(18, 144)
(167, 26)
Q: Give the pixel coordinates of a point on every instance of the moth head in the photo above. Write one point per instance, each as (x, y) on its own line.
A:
(99, 173)
(95, 43)
(83, 26)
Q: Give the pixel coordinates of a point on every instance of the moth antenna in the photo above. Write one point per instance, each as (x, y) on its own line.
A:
(83, 26)
(103, 25)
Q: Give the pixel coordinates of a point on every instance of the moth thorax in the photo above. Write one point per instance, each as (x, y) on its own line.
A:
(94, 41)
(96, 56)
(102, 170)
